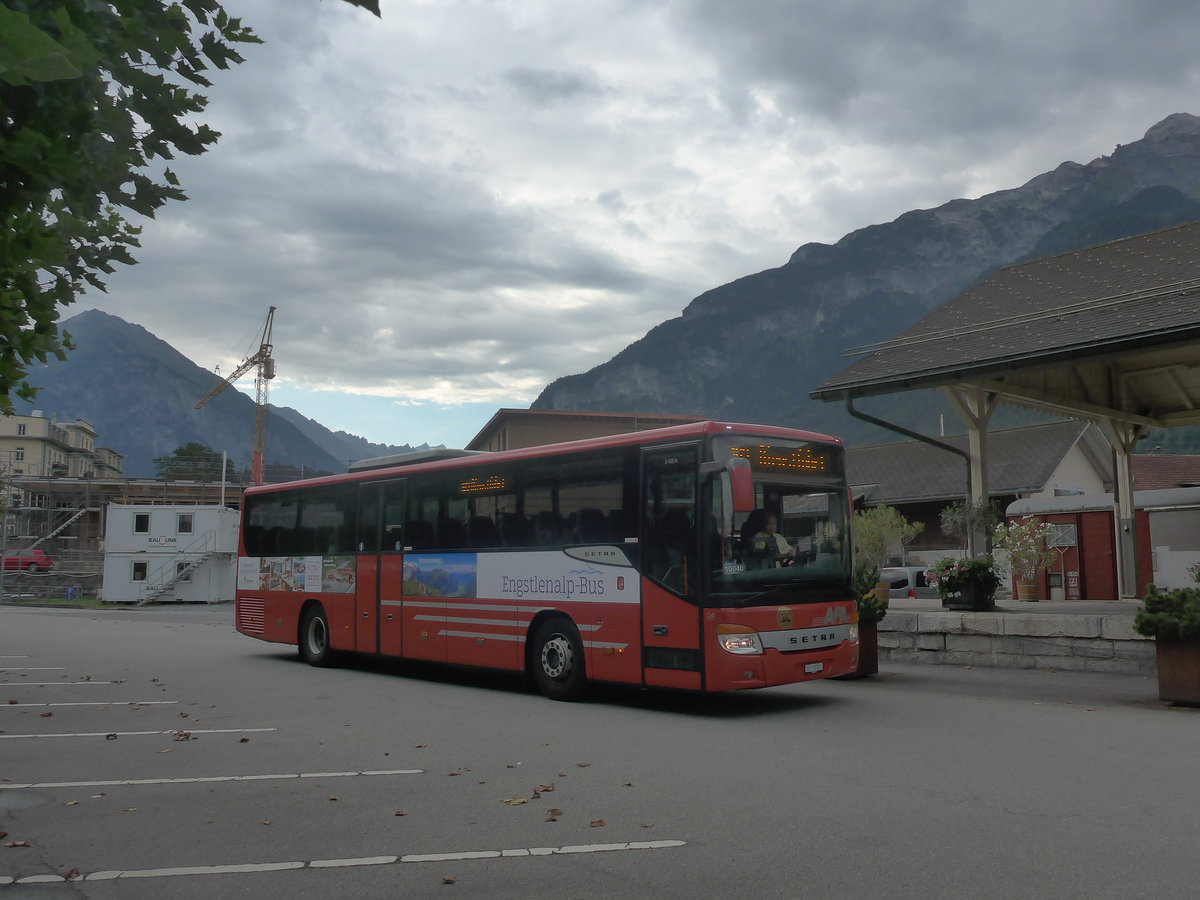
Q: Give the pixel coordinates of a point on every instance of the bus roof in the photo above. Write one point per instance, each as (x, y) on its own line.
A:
(404, 463)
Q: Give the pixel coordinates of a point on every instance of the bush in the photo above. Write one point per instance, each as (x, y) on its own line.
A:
(1172, 615)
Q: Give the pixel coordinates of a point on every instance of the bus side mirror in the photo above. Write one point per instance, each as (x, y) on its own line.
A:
(742, 483)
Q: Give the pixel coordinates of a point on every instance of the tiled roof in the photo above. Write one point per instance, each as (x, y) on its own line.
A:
(1160, 471)
(1128, 294)
(1020, 460)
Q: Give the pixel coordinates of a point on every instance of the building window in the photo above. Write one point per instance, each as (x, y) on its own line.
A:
(21, 430)
(19, 454)
(182, 572)
(184, 524)
(141, 523)
(139, 571)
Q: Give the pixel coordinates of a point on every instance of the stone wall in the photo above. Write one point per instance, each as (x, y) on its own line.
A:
(1081, 643)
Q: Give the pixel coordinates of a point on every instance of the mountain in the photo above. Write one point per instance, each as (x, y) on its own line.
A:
(751, 350)
(104, 381)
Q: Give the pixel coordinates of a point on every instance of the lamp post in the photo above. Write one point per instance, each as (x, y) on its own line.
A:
(5, 500)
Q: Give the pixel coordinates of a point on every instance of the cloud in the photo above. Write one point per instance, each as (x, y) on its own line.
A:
(469, 200)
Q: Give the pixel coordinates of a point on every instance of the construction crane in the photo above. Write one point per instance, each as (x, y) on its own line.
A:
(262, 377)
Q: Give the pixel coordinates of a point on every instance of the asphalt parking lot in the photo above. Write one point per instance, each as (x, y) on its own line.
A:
(152, 753)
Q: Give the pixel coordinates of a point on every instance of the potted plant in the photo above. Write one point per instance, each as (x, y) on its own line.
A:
(964, 583)
(876, 532)
(1172, 618)
(872, 599)
(1027, 541)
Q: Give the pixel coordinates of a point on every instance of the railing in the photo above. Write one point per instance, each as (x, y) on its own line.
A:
(171, 572)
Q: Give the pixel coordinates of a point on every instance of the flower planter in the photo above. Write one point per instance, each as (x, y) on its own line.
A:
(868, 651)
(1029, 591)
(969, 597)
(1178, 670)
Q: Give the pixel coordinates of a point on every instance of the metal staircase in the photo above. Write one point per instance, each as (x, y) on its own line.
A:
(179, 567)
(69, 516)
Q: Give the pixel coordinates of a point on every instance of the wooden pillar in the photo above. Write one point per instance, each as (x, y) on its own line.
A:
(975, 407)
(1122, 436)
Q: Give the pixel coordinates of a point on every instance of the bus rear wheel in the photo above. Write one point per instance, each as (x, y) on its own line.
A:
(314, 636)
(556, 660)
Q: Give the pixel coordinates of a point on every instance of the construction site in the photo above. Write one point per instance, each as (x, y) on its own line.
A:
(123, 540)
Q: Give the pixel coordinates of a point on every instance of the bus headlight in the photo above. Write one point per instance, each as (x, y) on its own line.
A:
(739, 639)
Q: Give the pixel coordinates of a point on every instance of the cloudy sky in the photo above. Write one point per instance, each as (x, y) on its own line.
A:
(456, 204)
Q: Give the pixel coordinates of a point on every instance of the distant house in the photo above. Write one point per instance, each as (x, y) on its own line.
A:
(1052, 460)
(511, 429)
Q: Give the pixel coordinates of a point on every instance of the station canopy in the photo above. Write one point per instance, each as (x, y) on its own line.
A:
(1110, 333)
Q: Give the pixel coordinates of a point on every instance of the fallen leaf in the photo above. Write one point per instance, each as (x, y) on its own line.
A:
(111, 737)
(647, 825)
(168, 750)
(268, 822)
(47, 715)
(447, 880)
(72, 875)
(333, 798)
(399, 812)
(3, 835)
(562, 774)
(130, 809)
(545, 788)
(555, 812)
(628, 784)
(183, 715)
(244, 740)
(597, 823)
(17, 844)
(421, 746)
(452, 774)
(583, 765)
(13, 702)
(71, 803)
(516, 801)
(536, 796)
(551, 818)
(183, 735)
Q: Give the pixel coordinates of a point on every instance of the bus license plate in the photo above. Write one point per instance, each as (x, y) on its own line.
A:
(814, 668)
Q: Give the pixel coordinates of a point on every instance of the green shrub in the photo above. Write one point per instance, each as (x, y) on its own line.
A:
(1172, 615)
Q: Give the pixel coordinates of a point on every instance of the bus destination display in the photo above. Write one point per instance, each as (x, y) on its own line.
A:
(798, 459)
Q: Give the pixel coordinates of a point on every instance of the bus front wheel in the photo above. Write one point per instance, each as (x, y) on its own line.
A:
(556, 660)
(314, 637)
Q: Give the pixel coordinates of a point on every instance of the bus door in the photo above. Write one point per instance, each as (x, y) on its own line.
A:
(380, 567)
(669, 543)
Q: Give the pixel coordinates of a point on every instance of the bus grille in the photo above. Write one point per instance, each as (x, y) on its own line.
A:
(252, 617)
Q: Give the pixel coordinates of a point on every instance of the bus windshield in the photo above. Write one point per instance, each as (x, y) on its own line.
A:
(794, 546)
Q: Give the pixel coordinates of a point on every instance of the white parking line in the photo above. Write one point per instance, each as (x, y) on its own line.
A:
(49, 683)
(204, 779)
(176, 731)
(112, 875)
(32, 668)
(15, 657)
(95, 703)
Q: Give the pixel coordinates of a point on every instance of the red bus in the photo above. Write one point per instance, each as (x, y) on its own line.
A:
(617, 559)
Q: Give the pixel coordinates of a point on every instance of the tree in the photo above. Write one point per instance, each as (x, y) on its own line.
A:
(960, 519)
(877, 530)
(191, 462)
(90, 94)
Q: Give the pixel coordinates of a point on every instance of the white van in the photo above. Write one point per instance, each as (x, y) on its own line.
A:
(907, 581)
